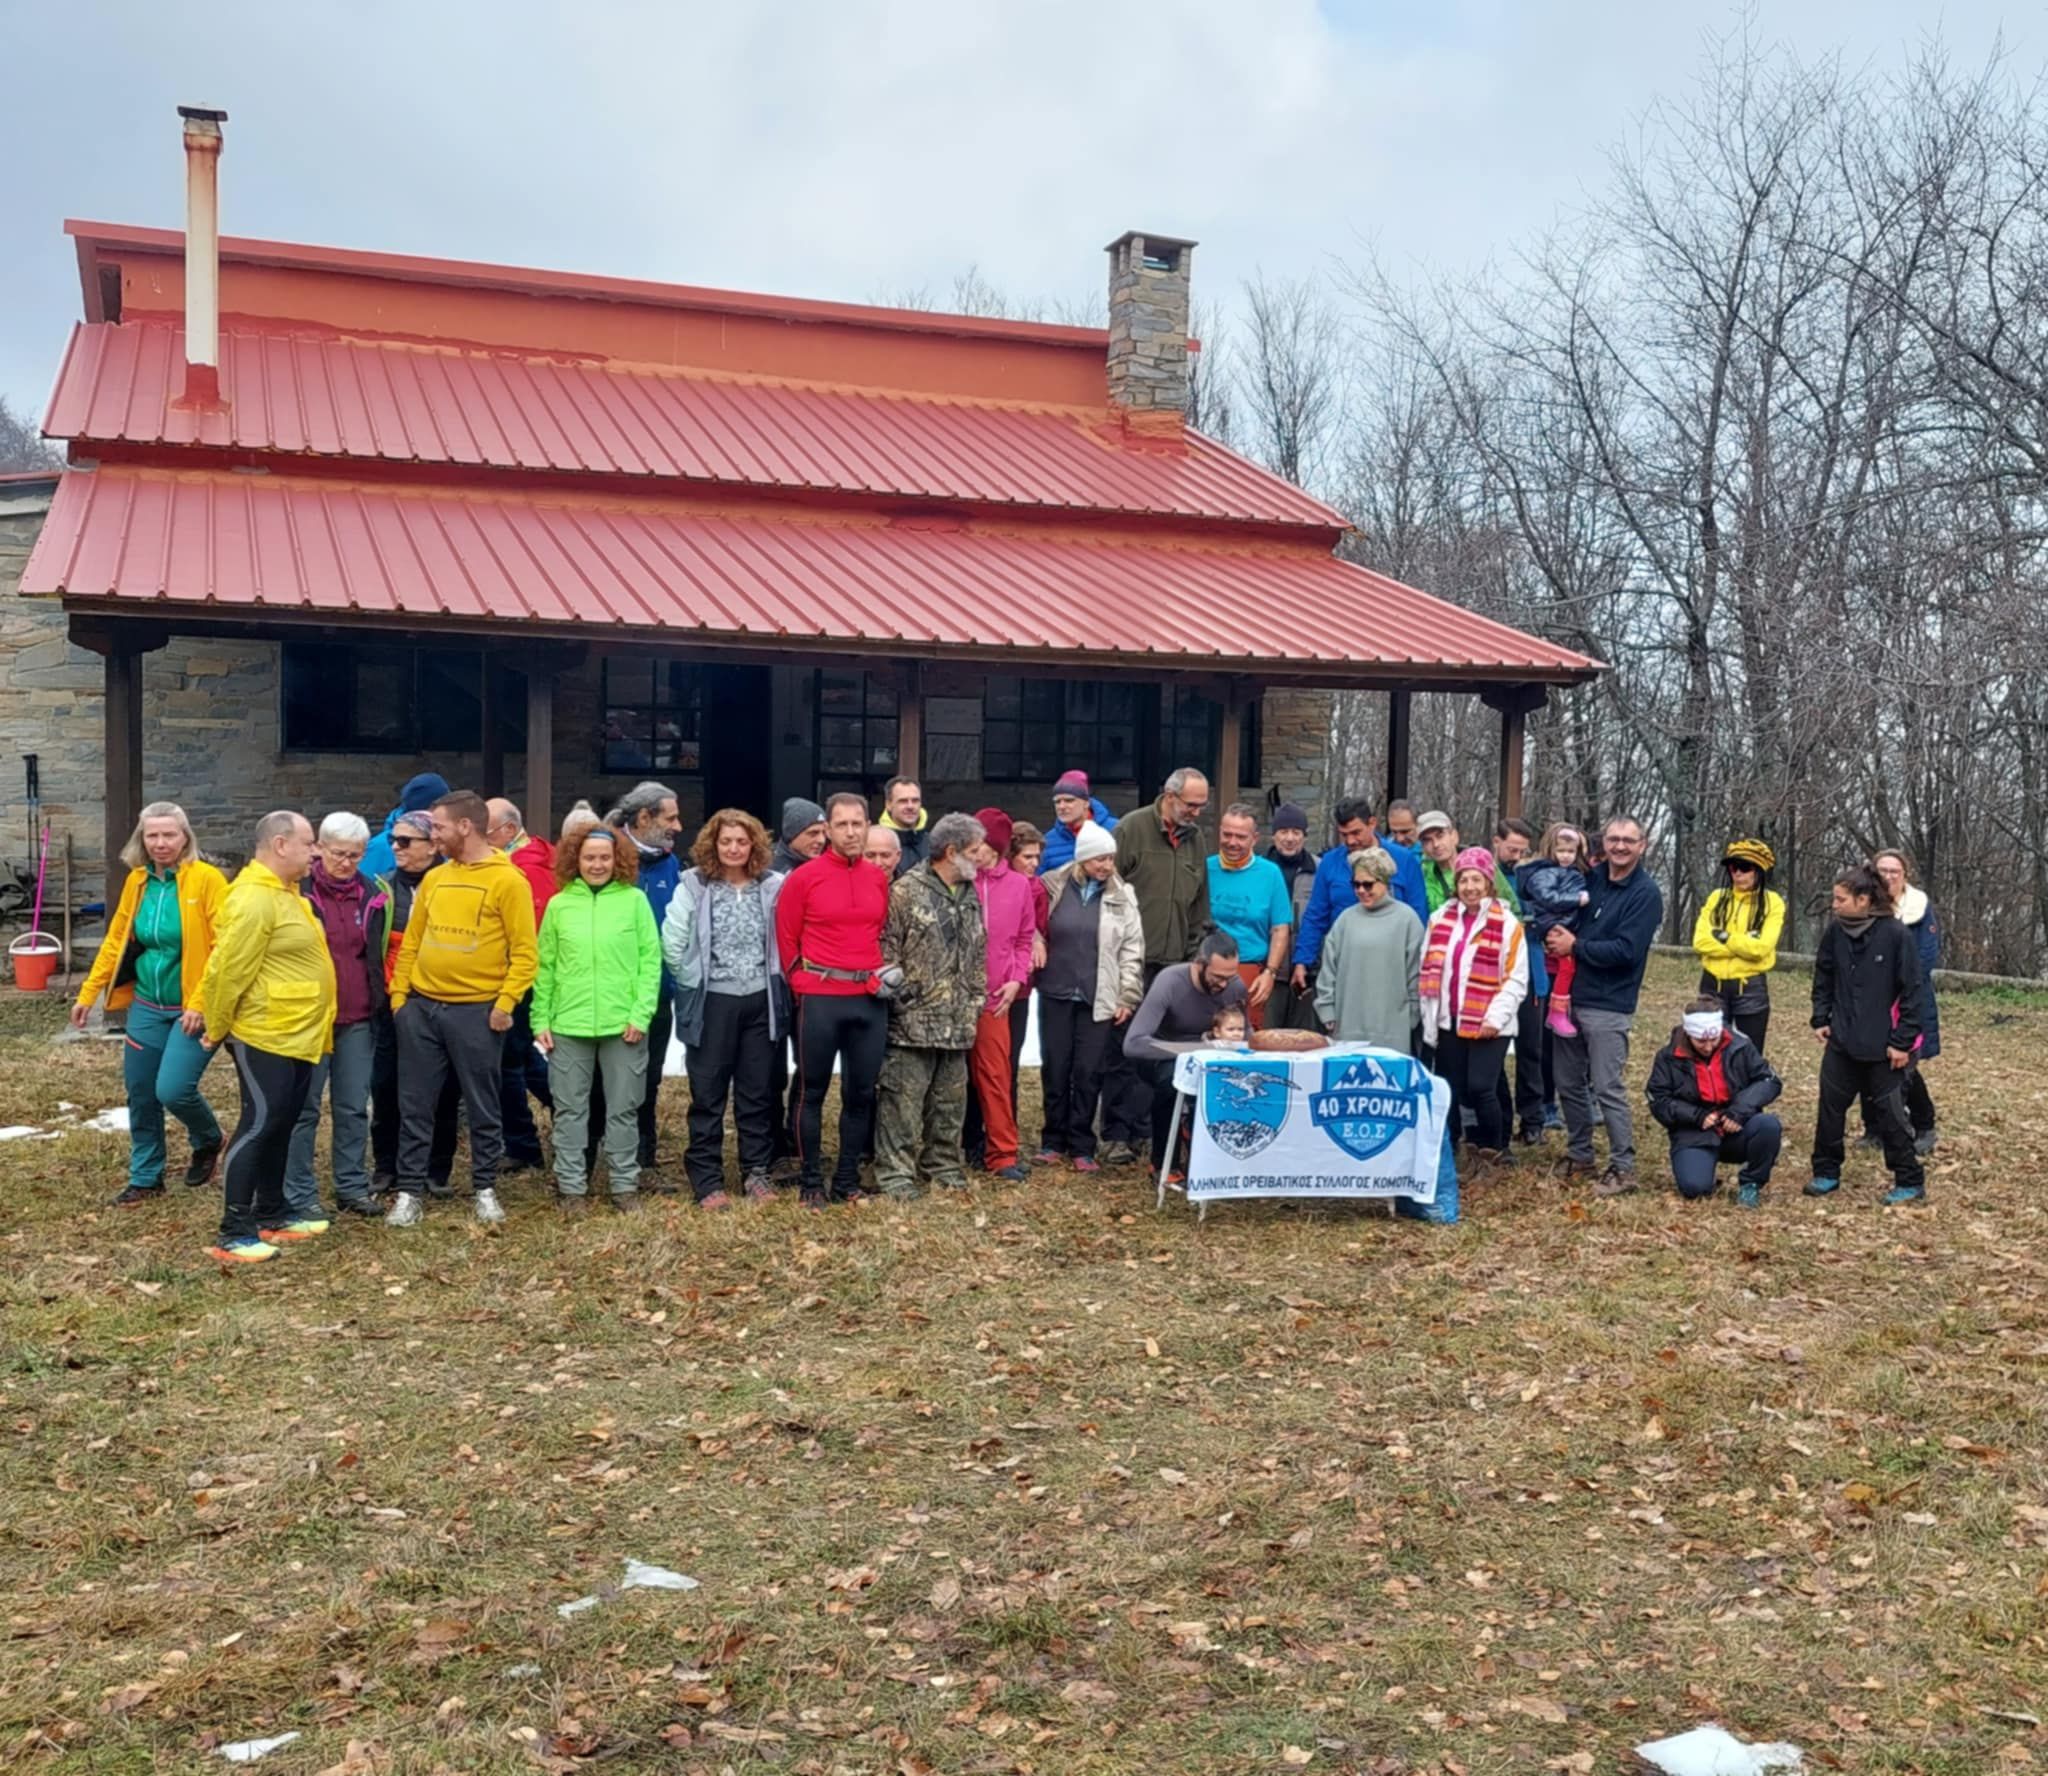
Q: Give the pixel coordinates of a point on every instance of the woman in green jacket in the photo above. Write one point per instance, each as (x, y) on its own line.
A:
(600, 975)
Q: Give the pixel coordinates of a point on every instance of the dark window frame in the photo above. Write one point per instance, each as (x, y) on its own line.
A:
(1076, 744)
(327, 670)
(676, 688)
(877, 718)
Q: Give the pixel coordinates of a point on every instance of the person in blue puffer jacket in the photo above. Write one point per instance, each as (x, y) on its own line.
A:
(1073, 806)
(419, 794)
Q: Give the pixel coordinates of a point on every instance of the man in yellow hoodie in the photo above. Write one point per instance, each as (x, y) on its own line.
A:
(468, 958)
(268, 991)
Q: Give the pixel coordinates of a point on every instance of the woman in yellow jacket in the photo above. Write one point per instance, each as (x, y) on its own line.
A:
(269, 995)
(150, 964)
(1737, 938)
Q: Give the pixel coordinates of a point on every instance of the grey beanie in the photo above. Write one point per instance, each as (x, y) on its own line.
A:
(797, 814)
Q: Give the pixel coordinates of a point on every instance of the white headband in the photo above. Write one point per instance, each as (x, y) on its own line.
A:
(1702, 1026)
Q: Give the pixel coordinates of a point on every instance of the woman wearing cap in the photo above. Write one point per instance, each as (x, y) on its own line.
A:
(1737, 937)
(1474, 976)
(151, 962)
(1708, 1087)
(1093, 979)
(1366, 979)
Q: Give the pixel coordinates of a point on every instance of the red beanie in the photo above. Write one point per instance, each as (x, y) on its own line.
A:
(998, 826)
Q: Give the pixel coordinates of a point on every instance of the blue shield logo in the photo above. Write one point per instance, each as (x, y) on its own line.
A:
(1367, 1102)
(1244, 1104)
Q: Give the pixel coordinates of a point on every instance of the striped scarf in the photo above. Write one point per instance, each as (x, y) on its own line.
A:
(1492, 940)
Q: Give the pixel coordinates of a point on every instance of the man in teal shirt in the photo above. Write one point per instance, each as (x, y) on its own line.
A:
(1248, 898)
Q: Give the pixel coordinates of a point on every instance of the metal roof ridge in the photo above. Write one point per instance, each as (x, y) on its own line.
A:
(537, 281)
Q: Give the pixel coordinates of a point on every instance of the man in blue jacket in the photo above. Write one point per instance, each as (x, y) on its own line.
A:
(1072, 807)
(1333, 892)
(1612, 947)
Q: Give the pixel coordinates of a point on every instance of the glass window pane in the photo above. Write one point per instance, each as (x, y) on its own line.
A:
(842, 733)
(1003, 697)
(1120, 702)
(839, 691)
(1084, 701)
(1116, 753)
(839, 761)
(881, 694)
(1038, 766)
(1042, 697)
(383, 700)
(628, 740)
(629, 681)
(316, 705)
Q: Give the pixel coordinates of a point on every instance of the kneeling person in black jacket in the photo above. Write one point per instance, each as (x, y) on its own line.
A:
(1870, 1006)
(1708, 1087)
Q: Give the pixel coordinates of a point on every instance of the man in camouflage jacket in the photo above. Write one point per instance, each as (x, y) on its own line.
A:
(934, 937)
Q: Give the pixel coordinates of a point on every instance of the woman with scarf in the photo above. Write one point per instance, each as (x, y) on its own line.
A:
(1474, 976)
(1737, 938)
(1917, 913)
(1708, 1087)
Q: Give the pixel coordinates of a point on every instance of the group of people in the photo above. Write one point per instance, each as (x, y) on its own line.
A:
(451, 966)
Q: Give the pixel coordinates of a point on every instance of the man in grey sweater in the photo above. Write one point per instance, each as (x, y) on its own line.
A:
(1179, 1007)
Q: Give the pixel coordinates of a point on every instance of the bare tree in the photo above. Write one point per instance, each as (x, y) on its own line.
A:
(21, 446)
(1290, 380)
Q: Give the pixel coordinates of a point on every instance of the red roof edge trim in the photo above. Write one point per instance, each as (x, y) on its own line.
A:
(475, 274)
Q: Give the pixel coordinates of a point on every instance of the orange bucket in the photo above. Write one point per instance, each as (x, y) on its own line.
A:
(34, 955)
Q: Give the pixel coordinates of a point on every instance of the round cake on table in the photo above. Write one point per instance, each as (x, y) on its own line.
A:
(1287, 1041)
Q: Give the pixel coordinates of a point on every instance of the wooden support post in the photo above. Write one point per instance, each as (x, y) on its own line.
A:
(1398, 713)
(1512, 727)
(1229, 784)
(491, 723)
(910, 722)
(540, 749)
(123, 748)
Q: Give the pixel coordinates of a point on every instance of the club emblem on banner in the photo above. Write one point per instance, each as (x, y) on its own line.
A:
(1366, 1103)
(1244, 1104)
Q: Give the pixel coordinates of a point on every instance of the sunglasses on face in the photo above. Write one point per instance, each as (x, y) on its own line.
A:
(406, 844)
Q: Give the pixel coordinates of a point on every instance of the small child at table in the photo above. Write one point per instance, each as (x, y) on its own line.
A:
(1230, 1028)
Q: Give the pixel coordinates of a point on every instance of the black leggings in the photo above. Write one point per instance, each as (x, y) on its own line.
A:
(1074, 1052)
(1472, 1068)
(853, 1029)
(274, 1088)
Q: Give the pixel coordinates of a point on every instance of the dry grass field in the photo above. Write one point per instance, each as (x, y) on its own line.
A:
(1036, 1480)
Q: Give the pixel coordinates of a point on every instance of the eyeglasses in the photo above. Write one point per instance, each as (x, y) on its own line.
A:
(398, 844)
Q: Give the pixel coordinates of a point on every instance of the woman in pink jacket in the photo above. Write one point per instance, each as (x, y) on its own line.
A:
(1011, 917)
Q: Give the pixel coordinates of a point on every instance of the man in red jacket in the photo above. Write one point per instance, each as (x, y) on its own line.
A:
(520, 1068)
(828, 924)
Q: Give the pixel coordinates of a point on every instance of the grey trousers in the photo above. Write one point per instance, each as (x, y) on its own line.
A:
(1589, 1086)
(437, 1039)
(343, 1077)
(622, 1065)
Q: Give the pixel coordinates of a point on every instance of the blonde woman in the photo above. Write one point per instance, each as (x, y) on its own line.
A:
(150, 964)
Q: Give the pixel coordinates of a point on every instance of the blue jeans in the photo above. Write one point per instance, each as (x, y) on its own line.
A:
(347, 1071)
(161, 1067)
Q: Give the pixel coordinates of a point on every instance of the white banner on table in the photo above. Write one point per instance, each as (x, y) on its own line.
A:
(1347, 1120)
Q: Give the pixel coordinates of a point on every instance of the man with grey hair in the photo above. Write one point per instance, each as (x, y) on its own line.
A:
(354, 911)
(885, 849)
(934, 958)
(1162, 854)
(647, 815)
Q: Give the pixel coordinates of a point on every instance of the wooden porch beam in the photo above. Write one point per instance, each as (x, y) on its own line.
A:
(910, 722)
(540, 749)
(123, 745)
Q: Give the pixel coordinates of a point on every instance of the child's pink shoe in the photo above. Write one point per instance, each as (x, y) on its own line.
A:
(1559, 1023)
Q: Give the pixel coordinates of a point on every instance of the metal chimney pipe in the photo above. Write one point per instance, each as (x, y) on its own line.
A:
(202, 253)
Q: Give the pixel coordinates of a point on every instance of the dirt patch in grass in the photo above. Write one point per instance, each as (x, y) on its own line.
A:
(1034, 1479)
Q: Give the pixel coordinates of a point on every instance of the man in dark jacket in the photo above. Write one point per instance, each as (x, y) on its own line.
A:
(1612, 944)
(1869, 1008)
(1708, 1087)
(905, 815)
(1291, 1009)
(934, 940)
(412, 842)
(800, 836)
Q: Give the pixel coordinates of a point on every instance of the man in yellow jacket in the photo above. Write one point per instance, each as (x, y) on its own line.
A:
(467, 960)
(268, 993)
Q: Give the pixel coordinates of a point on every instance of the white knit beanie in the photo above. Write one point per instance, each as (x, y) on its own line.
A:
(1092, 841)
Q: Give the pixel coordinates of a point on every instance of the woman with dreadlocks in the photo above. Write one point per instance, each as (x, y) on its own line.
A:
(1737, 938)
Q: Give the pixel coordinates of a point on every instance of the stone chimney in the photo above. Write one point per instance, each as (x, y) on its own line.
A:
(1148, 332)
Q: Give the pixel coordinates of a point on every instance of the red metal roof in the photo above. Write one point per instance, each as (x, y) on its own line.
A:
(253, 545)
(374, 401)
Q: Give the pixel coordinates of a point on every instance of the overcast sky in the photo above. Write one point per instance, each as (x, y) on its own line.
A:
(838, 148)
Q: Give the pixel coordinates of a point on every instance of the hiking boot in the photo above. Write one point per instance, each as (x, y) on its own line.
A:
(135, 1196)
(1087, 1166)
(573, 1205)
(1924, 1142)
(1553, 1118)
(812, 1196)
(1576, 1169)
(1118, 1153)
(366, 1206)
(1531, 1134)
(625, 1202)
(715, 1201)
(786, 1170)
(1749, 1196)
(1822, 1186)
(199, 1169)
(406, 1210)
(1012, 1174)
(1902, 1194)
(758, 1188)
(1615, 1183)
(290, 1232)
(651, 1181)
(243, 1251)
(903, 1193)
(384, 1183)
(489, 1210)
(1047, 1156)
(440, 1189)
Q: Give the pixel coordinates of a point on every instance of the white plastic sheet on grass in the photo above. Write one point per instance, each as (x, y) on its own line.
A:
(639, 1577)
(247, 1751)
(1714, 1751)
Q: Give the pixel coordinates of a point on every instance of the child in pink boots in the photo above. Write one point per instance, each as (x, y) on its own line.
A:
(1553, 889)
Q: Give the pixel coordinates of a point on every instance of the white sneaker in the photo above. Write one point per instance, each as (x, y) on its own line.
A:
(489, 1209)
(405, 1210)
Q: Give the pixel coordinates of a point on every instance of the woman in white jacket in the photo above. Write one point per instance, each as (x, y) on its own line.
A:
(1475, 975)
